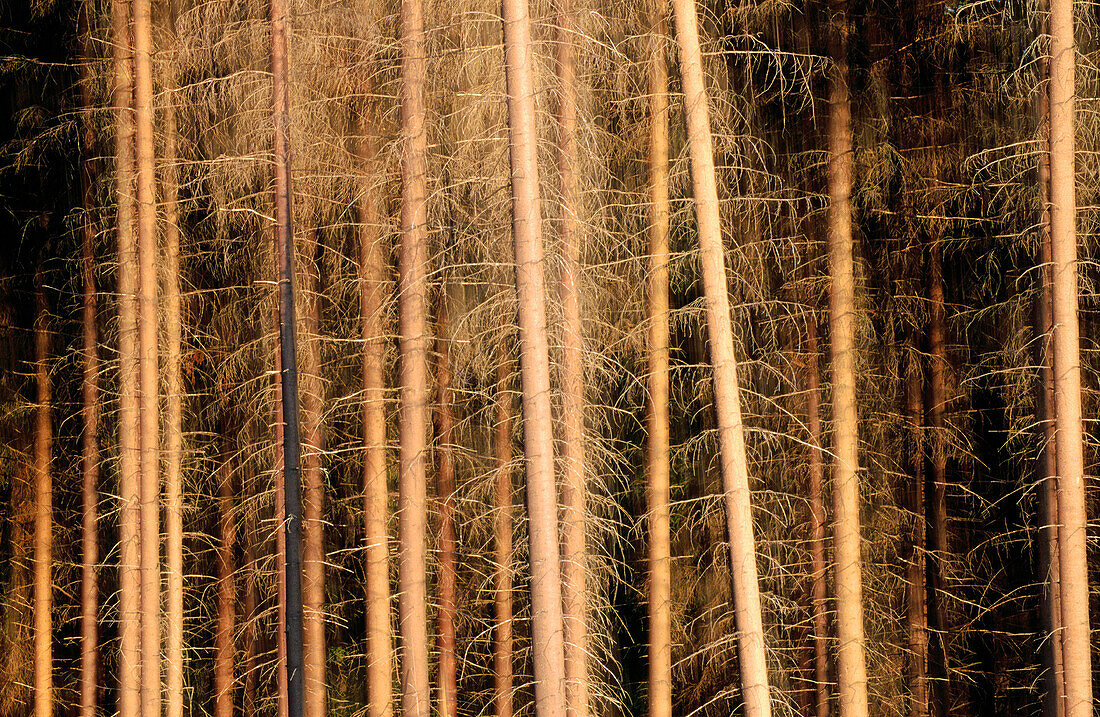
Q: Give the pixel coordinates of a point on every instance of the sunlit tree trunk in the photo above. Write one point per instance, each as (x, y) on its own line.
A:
(851, 644)
(129, 457)
(413, 339)
(916, 607)
(816, 497)
(372, 277)
(657, 425)
(1069, 435)
(224, 651)
(735, 479)
(447, 668)
(43, 509)
(502, 531)
(548, 660)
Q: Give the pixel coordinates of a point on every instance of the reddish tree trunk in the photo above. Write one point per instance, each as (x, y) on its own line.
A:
(502, 528)
(43, 513)
(916, 575)
(447, 669)
(818, 596)
(224, 652)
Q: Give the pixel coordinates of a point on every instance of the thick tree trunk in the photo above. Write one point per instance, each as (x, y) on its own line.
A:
(936, 508)
(447, 582)
(735, 480)
(43, 510)
(816, 496)
(224, 650)
(548, 660)
(376, 500)
(657, 425)
(313, 552)
(851, 648)
(916, 607)
(129, 457)
(502, 529)
(413, 331)
(1069, 449)
(573, 461)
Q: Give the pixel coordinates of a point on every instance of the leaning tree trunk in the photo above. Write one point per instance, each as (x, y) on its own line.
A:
(376, 495)
(816, 492)
(573, 462)
(916, 607)
(1069, 448)
(224, 652)
(43, 510)
(851, 648)
(548, 660)
(447, 581)
(129, 465)
(937, 482)
(502, 539)
(657, 422)
(731, 434)
(89, 411)
(413, 332)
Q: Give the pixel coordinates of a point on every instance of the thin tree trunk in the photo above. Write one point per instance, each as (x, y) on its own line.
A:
(129, 456)
(372, 267)
(745, 589)
(548, 660)
(413, 330)
(251, 664)
(288, 366)
(818, 596)
(1069, 449)
(916, 575)
(851, 648)
(447, 668)
(573, 551)
(43, 513)
(89, 568)
(657, 427)
(937, 495)
(224, 652)
(313, 553)
(502, 527)
(281, 680)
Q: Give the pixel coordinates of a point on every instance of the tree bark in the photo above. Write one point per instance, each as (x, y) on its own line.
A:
(372, 267)
(43, 513)
(548, 661)
(851, 649)
(224, 649)
(282, 684)
(937, 545)
(447, 668)
(657, 426)
(502, 528)
(413, 330)
(816, 494)
(916, 568)
(735, 480)
(1069, 449)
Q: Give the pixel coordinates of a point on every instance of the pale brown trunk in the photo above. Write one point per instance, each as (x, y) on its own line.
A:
(937, 494)
(745, 588)
(657, 425)
(447, 668)
(313, 494)
(148, 359)
(43, 510)
(573, 462)
(376, 500)
(851, 647)
(129, 456)
(281, 678)
(818, 596)
(916, 598)
(548, 659)
(413, 333)
(224, 653)
(502, 528)
(1069, 448)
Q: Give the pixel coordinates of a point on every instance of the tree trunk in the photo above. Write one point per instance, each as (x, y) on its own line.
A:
(657, 427)
(818, 596)
(372, 267)
(224, 652)
(89, 568)
(313, 553)
(735, 480)
(502, 525)
(447, 581)
(548, 660)
(43, 513)
(282, 685)
(937, 494)
(413, 331)
(573, 461)
(916, 574)
(129, 602)
(851, 648)
(1069, 449)
(251, 662)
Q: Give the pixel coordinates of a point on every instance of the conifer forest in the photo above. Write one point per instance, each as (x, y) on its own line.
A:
(549, 358)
